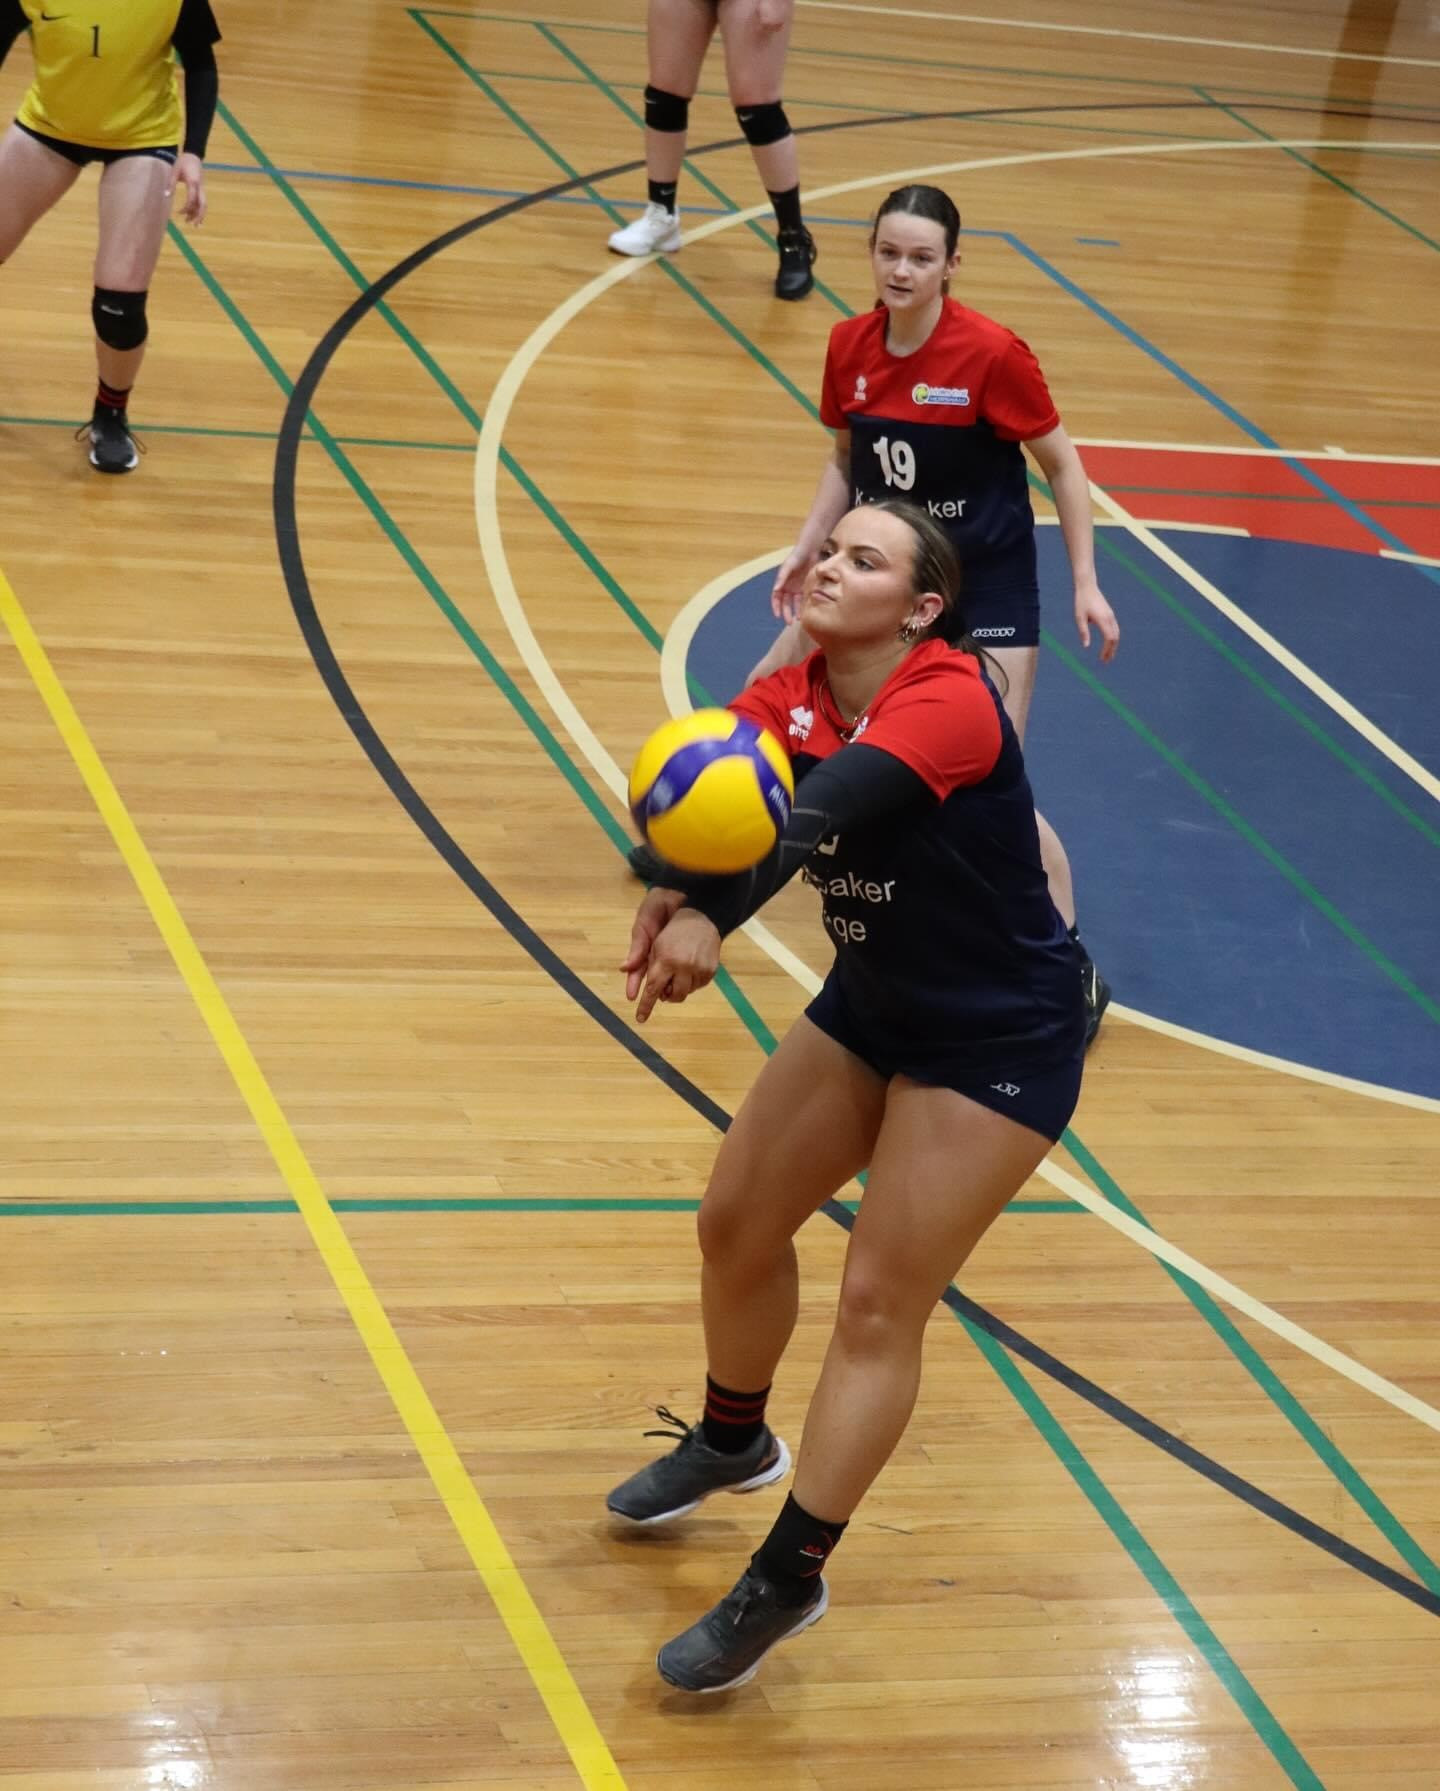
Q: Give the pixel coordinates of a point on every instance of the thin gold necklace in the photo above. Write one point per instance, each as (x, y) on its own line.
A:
(830, 709)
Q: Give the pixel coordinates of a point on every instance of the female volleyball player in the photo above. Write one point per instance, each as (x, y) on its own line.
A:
(944, 1051)
(931, 401)
(756, 34)
(105, 91)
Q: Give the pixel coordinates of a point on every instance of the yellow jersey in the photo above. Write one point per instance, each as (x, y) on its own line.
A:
(104, 72)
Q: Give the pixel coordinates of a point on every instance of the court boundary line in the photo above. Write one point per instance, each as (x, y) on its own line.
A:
(1358, 457)
(1161, 37)
(575, 1727)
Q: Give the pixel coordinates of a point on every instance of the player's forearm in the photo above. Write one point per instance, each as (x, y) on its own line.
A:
(1070, 489)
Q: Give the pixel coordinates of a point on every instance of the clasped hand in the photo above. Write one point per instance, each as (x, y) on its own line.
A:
(674, 950)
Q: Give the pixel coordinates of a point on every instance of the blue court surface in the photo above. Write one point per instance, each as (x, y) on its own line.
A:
(1246, 863)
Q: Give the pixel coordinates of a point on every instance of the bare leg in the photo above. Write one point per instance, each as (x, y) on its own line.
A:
(134, 209)
(943, 1169)
(677, 35)
(805, 1128)
(1019, 666)
(756, 34)
(32, 179)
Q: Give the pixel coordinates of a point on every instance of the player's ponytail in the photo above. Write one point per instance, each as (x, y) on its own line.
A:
(923, 202)
(935, 566)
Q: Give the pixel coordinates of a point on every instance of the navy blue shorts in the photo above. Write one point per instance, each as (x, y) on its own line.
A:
(82, 154)
(1000, 596)
(1042, 1099)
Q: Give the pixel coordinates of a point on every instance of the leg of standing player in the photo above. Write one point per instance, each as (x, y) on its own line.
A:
(806, 1127)
(32, 179)
(942, 1170)
(756, 34)
(135, 194)
(1019, 665)
(677, 35)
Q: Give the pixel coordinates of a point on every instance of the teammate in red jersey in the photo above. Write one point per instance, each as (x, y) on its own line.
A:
(931, 401)
(944, 1051)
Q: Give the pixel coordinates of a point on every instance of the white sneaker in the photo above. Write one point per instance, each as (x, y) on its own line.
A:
(655, 231)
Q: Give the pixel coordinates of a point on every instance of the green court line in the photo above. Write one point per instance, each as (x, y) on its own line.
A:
(1281, 1747)
(1281, 497)
(1266, 1378)
(1324, 173)
(1277, 861)
(520, 1203)
(1110, 549)
(936, 64)
(249, 435)
(667, 268)
(1262, 1719)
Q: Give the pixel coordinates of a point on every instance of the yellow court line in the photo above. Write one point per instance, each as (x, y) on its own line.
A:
(543, 1661)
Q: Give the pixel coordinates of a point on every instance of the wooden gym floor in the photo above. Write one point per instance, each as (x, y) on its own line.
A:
(348, 1227)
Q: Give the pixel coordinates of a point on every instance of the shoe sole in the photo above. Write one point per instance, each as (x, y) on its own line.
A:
(129, 466)
(811, 1617)
(636, 254)
(766, 1477)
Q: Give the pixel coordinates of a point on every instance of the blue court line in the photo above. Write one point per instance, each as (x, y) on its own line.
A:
(1216, 402)
(583, 199)
(1099, 242)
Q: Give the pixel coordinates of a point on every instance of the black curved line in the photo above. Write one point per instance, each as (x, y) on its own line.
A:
(292, 563)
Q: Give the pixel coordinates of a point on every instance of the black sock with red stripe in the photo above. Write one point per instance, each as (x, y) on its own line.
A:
(732, 1421)
(112, 399)
(792, 1555)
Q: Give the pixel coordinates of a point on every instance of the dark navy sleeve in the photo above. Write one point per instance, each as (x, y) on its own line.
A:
(195, 37)
(857, 785)
(12, 23)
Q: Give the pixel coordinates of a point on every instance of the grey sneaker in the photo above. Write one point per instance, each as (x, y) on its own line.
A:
(726, 1646)
(113, 449)
(675, 1483)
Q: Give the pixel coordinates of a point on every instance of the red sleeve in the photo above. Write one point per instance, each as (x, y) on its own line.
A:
(942, 723)
(1017, 400)
(769, 702)
(832, 414)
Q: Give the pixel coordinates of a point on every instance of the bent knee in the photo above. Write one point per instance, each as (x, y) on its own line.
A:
(876, 1310)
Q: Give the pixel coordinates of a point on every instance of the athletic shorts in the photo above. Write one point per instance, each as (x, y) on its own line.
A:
(82, 154)
(1042, 1099)
(1000, 597)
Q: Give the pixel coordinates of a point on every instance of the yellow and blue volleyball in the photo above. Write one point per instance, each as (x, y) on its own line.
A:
(711, 792)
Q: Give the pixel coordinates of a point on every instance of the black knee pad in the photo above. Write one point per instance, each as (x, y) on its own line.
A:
(666, 111)
(120, 320)
(763, 124)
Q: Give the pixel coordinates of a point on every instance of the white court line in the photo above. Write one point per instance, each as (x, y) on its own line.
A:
(1150, 37)
(1278, 651)
(1104, 441)
(1407, 559)
(507, 599)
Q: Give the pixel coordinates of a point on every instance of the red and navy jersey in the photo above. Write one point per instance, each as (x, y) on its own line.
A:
(942, 427)
(941, 918)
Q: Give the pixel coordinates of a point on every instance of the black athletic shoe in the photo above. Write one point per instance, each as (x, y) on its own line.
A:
(1097, 999)
(797, 257)
(112, 447)
(675, 1483)
(726, 1646)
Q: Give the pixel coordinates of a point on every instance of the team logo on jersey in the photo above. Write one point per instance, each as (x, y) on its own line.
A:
(860, 393)
(923, 394)
(801, 721)
(1005, 1088)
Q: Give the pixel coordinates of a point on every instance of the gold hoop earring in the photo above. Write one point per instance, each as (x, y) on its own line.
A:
(909, 631)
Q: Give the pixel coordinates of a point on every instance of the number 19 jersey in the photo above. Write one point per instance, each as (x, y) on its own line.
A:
(942, 427)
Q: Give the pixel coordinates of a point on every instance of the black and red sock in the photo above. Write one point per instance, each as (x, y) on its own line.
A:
(732, 1420)
(111, 398)
(792, 1556)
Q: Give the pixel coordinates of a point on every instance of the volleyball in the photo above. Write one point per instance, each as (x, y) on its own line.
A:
(711, 792)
